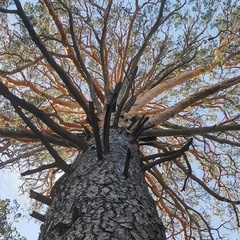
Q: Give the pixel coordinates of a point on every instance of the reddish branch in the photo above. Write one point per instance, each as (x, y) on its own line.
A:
(62, 74)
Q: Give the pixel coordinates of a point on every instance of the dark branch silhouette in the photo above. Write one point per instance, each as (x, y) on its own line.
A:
(41, 168)
(40, 198)
(171, 157)
(96, 131)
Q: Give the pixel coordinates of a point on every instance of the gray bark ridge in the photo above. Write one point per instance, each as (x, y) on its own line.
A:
(98, 202)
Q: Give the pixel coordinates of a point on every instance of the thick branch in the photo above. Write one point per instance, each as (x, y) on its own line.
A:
(62, 74)
(189, 131)
(188, 101)
(170, 157)
(80, 60)
(124, 93)
(19, 134)
(38, 216)
(43, 167)
(96, 131)
(41, 198)
(59, 161)
(2, 10)
(111, 105)
(43, 116)
(104, 52)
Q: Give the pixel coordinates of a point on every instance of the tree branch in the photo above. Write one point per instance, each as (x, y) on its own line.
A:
(62, 74)
(169, 158)
(103, 51)
(188, 101)
(43, 116)
(59, 161)
(39, 169)
(110, 108)
(18, 134)
(41, 198)
(96, 131)
(80, 60)
(189, 131)
(38, 216)
(2, 10)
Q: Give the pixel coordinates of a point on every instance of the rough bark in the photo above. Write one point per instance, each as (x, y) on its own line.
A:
(98, 202)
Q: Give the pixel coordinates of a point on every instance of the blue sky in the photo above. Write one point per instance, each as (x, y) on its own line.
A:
(9, 187)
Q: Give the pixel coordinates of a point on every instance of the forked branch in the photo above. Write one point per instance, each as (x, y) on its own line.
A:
(174, 155)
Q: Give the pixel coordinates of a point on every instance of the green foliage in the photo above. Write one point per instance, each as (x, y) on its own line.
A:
(7, 230)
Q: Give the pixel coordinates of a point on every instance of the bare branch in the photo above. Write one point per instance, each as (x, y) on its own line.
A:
(39, 169)
(62, 74)
(18, 134)
(41, 198)
(188, 101)
(96, 131)
(38, 216)
(171, 157)
(60, 162)
(189, 131)
(43, 116)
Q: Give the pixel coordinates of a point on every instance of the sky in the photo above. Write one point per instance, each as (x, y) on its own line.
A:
(9, 189)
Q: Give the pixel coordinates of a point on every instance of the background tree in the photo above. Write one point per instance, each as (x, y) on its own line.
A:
(7, 230)
(165, 74)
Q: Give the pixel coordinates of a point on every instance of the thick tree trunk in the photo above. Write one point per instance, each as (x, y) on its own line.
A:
(98, 202)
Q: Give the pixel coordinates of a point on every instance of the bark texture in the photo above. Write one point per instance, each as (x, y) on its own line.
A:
(98, 202)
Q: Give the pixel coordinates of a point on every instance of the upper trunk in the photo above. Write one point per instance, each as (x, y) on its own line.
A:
(98, 202)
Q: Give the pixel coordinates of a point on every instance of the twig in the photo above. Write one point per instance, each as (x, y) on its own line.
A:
(189, 172)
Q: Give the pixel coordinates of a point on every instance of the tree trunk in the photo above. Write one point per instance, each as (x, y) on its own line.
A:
(98, 202)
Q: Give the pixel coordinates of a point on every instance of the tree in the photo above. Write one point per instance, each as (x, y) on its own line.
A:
(6, 228)
(143, 95)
